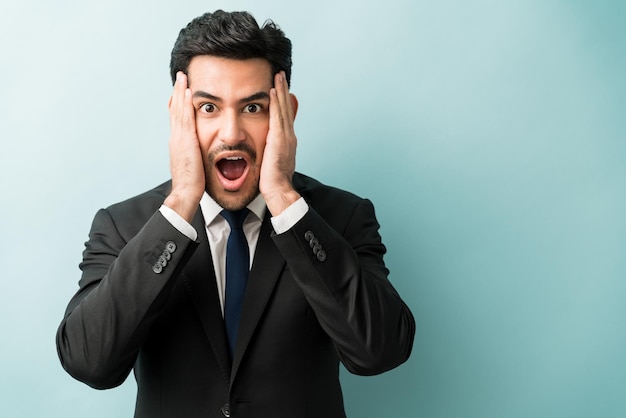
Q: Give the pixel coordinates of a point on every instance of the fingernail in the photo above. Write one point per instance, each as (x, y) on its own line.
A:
(178, 75)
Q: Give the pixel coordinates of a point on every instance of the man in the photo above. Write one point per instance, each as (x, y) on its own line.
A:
(159, 293)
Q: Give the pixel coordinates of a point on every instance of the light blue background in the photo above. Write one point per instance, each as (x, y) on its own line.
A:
(489, 134)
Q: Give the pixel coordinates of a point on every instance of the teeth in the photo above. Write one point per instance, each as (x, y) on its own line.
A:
(234, 158)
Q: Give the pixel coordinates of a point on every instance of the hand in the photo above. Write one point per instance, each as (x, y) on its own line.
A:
(279, 157)
(186, 166)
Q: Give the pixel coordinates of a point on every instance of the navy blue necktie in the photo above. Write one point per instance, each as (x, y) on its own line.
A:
(237, 270)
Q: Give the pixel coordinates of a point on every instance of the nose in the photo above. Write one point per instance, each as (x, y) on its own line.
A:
(230, 131)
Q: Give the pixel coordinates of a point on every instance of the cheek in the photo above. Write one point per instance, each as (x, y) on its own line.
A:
(258, 135)
(205, 132)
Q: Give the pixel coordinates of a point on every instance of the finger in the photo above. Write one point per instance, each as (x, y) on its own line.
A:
(174, 105)
(178, 94)
(188, 112)
(280, 101)
(288, 103)
(181, 108)
(284, 99)
(175, 92)
(276, 123)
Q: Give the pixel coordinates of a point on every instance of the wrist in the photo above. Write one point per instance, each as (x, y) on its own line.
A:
(277, 202)
(184, 206)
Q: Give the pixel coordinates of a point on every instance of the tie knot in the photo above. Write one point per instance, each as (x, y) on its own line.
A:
(235, 218)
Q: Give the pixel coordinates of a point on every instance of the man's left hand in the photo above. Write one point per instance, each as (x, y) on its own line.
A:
(279, 157)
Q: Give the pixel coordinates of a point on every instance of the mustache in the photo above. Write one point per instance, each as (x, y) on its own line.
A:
(243, 147)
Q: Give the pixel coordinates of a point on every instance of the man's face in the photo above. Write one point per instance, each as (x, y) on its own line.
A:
(231, 102)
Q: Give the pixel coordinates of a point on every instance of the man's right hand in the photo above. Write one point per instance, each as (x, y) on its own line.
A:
(186, 166)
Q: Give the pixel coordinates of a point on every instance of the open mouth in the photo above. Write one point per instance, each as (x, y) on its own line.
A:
(232, 171)
(232, 168)
(232, 165)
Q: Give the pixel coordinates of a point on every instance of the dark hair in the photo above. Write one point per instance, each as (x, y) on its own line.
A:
(234, 35)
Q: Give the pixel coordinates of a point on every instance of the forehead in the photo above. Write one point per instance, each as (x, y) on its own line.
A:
(217, 74)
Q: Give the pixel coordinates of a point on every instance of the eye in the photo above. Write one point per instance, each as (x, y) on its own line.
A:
(207, 108)
(252, 108)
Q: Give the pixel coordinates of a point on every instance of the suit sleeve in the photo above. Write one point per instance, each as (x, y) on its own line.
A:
(123, 287)
(344, 278)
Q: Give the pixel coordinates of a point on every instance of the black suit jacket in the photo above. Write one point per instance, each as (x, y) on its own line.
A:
(304, 311)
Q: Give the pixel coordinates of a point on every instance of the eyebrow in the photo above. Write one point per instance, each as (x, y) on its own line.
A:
(256, 96)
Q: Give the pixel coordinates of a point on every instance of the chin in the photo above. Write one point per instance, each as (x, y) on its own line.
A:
(234, 200)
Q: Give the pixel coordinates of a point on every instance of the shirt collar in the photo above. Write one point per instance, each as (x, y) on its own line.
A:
(210, 209)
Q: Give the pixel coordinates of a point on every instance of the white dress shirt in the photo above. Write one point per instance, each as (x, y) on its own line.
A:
(218, 229)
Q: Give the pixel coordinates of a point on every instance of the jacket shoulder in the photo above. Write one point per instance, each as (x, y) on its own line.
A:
(335, 205)
(138, 209)
(315, 190)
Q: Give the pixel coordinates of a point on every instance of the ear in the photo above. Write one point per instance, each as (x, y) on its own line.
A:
(294, 104)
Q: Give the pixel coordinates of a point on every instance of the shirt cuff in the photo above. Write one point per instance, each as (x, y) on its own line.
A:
(290, 216)
(178, 222)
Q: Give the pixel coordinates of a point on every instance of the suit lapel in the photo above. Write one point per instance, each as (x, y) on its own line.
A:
(266, 268)
(199, 278)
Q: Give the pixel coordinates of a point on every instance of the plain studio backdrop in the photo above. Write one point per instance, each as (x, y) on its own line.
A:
(490, 136)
